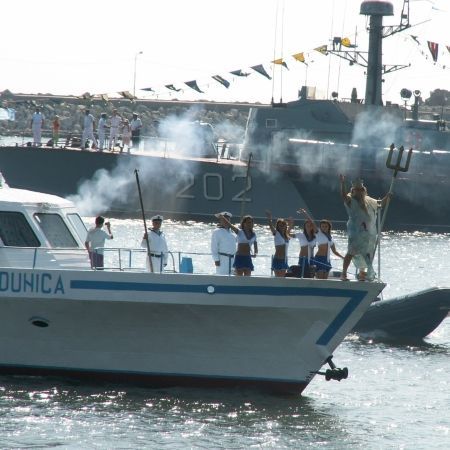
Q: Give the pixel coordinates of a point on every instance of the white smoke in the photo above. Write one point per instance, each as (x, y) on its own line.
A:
(170, 162)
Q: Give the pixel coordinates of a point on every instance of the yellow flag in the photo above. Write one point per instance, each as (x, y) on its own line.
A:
(299, 57)
(322, 49)
(346, 42)
(280, 62)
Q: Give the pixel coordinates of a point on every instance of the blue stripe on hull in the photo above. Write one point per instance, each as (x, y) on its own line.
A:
(201, 289)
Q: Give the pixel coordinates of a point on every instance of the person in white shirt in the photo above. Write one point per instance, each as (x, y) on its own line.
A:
(281, 238)
(157, 245)
(135, 125)
(125, 130)
(325, 245)
(223, 245)
(95, 241)
(102, 130)
(88, 129)
(246, 239)
(115, 122)
(307, 241)
(37, 123)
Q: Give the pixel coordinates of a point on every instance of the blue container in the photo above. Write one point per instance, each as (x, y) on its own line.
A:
(186, 265)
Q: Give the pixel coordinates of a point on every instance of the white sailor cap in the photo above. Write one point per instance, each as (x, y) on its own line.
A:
(157, 217)
(224, 213)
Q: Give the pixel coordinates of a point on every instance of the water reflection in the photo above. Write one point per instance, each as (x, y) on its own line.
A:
(234, 417)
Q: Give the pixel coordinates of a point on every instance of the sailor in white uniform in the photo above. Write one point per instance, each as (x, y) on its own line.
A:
(37, 122)
(223, 245)
(102, 130)
(157, 244)
(88, 129)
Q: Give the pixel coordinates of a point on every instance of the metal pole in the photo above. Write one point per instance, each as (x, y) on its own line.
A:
(246, 184)
(134, 78)
(143, 218)
(379, 238)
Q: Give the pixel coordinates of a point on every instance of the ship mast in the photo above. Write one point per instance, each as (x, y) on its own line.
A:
(372, 60)
(376, 10)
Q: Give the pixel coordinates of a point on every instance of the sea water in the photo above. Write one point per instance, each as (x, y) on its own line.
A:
(396, 396)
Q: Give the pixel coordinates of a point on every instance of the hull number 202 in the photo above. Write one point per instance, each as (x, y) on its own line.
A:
(211, 187)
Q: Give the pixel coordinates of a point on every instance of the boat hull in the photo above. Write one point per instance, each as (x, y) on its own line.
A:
(410, 317)
(161, 329)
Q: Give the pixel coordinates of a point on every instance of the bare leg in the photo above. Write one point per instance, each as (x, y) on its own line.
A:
(347, 260)
(280, 273)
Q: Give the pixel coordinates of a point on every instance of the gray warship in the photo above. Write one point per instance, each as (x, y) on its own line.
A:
(290, 159)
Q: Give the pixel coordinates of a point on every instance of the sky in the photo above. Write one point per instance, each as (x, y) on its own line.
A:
(76, 46)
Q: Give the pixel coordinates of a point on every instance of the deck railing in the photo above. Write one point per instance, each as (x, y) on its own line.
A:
(129, 260)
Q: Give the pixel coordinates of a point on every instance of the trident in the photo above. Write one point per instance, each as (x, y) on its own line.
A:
(396, 168)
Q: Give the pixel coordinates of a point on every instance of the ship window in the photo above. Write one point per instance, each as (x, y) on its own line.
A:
(15, 231)
(55, 230)
(79, 225)
(271, 123)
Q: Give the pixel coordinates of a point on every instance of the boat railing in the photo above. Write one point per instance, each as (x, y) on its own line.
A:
(134, 260)
(163, 146)
(201, 263)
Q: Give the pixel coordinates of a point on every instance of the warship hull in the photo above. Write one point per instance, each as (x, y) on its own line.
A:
(197, 188)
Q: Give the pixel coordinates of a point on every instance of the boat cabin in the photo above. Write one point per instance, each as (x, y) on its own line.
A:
(40, 230)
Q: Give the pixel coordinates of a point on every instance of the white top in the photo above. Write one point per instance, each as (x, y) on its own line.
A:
(243, 239)
(37, 119)
(305, 243)
(321, 239)
(101, 124)
(96, 238)
(88, 122)
(158, 244)
(136, 124)
(222, 241)
(279, 240)
(115, 121)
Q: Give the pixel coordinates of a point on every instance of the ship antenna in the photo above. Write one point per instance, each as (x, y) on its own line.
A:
(274, 50)
(282, 53)
(331, 39)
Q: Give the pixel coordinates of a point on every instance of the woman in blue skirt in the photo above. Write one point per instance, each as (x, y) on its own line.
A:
(246, 238)
(281, 240)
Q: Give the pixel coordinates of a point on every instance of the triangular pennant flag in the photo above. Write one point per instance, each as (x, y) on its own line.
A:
(193, 85)
(322, 49)
(434, 48)
(239, 73)
(280, 62)
(172, 87)
(346, 42)
(260, 69)
(299, 57)
(149, 89)
(221, 80)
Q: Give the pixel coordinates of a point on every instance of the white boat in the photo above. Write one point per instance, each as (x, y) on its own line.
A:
(60, 317)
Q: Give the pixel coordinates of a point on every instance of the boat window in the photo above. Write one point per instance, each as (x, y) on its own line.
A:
(271, 123)
(15, 231)
(79, 225)
(55, 230)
